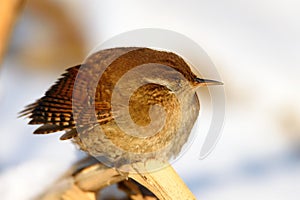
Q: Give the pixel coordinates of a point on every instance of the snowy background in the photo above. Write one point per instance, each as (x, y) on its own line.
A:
(254, 45)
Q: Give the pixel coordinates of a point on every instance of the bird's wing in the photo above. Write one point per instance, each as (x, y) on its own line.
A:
(54, 109)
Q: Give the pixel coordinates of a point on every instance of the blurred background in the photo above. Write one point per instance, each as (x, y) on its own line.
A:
(253, 44)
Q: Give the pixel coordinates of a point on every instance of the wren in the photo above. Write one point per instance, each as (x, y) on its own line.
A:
(123, 104)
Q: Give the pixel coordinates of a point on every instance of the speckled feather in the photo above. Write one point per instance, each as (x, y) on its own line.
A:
(55, 110)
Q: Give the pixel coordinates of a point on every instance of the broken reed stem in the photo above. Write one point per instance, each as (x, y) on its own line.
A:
(87, 177)
(165, 183)
(9, 10)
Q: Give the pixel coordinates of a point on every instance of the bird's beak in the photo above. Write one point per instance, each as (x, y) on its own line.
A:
(206, 82)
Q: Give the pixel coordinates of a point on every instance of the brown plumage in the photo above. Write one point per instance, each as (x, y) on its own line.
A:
(54, 110)
(80, 102)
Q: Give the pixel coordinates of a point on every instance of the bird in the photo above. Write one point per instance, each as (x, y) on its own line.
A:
(123, 104)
